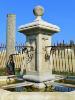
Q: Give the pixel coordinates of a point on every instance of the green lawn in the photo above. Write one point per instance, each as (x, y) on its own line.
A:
(64, 73)
(3, 72)
(17, 72)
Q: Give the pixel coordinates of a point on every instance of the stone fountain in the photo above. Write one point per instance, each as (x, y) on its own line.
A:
(37, 58)
(38, 41)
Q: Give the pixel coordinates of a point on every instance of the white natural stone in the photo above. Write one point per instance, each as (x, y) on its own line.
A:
(40, 24)
(38, 34)
(38, 11)
(39, 85)
(4, 80)
(6, 95)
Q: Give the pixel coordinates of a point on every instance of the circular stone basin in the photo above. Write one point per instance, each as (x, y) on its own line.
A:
(4, 80)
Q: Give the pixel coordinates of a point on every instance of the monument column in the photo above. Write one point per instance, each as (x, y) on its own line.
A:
(42, 31)
(10, 35)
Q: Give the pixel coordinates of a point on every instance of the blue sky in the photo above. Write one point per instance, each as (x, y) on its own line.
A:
(59, 12)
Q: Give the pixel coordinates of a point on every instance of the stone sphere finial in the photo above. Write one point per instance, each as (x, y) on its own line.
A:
(38, 11)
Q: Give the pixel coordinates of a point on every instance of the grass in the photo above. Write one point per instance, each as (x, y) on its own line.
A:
(64, 73)
(17, 72)
(4, 73)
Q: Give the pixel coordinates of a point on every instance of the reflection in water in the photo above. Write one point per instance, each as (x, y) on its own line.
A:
(63, 85)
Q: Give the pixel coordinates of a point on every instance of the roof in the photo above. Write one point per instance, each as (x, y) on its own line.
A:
(39, 23)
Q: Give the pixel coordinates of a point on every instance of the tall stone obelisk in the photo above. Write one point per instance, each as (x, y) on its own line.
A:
(10, 35)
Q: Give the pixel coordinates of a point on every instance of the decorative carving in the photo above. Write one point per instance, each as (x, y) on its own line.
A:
(38, 11)
(47, 54)
(29, 52)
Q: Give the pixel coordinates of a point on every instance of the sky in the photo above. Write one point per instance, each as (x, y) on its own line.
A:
(58, 12)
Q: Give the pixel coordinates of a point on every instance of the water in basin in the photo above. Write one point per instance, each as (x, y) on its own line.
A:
(63, 85)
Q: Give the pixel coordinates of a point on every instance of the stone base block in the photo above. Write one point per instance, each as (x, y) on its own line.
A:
(39, 78)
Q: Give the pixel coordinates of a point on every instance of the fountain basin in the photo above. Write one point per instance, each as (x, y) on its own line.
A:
(4, 80)
(58, 83)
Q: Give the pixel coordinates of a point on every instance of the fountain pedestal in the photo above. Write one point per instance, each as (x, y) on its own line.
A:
(38, 41)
